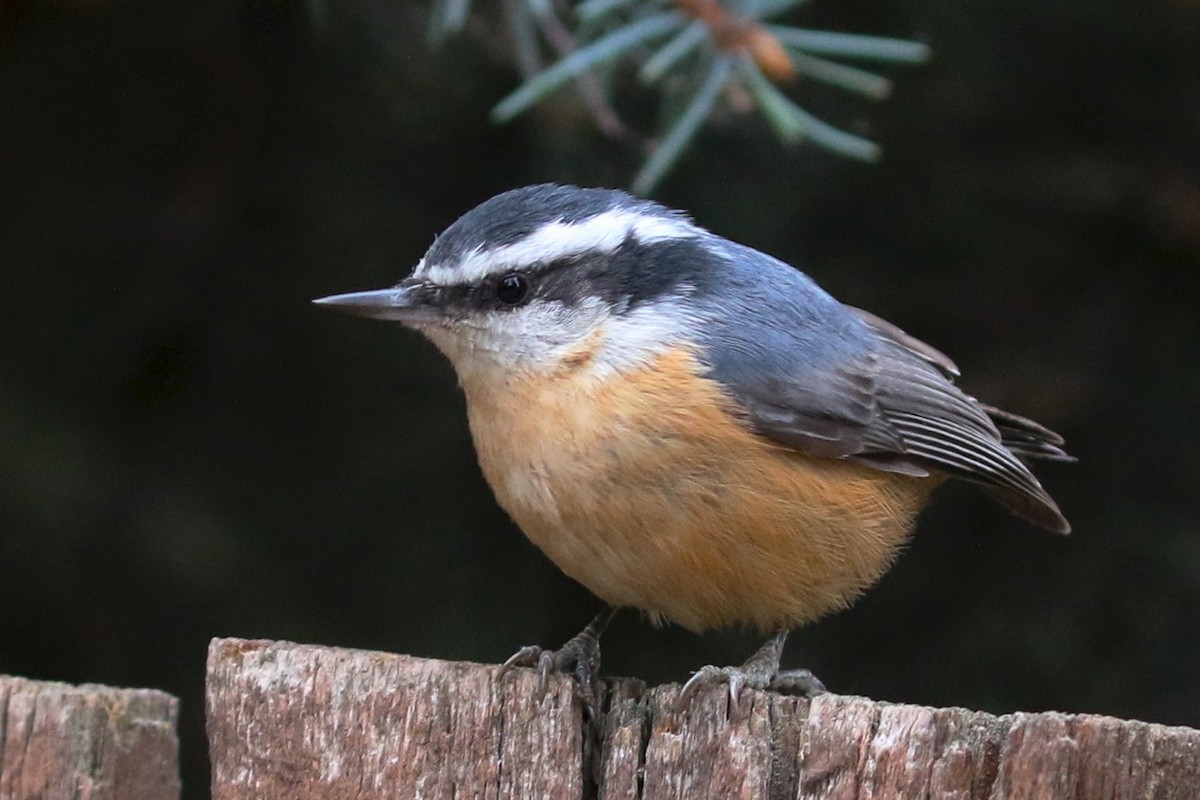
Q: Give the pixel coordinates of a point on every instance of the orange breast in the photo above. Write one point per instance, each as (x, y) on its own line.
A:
(648, 490)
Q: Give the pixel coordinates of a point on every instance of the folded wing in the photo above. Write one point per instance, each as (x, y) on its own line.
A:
(870, 393)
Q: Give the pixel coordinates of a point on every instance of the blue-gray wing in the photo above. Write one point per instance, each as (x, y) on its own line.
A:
(833, 381)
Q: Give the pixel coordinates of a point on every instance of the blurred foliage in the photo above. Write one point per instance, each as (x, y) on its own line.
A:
(695, 51)
(188, 449)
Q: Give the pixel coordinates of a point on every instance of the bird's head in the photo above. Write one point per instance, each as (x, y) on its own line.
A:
(531, 276)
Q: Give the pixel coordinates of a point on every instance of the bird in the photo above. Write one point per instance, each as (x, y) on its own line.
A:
(690, 427)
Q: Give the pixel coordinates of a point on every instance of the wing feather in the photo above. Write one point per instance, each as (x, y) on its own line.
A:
(887, 400)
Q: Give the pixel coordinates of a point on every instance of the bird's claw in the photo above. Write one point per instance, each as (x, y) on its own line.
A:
(579, 657)
(706, 676)
(761, 671)
(796, 682)
(574, 658)
(531, 655)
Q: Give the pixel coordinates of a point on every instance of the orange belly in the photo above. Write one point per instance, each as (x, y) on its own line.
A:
(649, 491)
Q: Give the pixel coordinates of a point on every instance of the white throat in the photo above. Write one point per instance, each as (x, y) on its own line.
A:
(539, 340)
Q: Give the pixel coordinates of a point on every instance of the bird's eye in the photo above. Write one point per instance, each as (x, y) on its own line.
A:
(512, 289)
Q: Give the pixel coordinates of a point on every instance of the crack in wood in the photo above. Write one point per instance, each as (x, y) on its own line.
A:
(93, 742)
(775, 747)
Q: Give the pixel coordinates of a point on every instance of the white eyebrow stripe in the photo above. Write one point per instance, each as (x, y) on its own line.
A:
(602, 233)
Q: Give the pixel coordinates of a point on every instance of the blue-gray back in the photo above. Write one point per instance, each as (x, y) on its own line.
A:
(830, 380)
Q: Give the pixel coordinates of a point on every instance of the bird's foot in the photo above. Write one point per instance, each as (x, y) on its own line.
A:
(761, 671)
(579, 657)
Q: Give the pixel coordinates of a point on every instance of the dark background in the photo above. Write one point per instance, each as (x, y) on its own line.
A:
(188, 449)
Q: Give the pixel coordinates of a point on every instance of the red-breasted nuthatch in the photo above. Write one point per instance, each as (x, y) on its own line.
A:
(688, 426)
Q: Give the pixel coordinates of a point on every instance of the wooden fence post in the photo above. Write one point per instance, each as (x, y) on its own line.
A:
(296, 721)
(60, 742)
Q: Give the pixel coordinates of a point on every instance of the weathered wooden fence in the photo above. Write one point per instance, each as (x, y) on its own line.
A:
(295, 721)
(86, 742)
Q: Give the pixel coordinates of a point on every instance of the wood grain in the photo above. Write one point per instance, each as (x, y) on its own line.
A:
(86, 742)
(299, 721)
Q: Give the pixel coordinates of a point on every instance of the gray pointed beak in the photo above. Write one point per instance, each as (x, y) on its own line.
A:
(398, 304)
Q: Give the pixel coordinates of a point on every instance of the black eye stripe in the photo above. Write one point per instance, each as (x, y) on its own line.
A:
(489, 288)
(633, 274)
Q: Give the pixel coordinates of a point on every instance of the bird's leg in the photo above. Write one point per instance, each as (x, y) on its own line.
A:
(761, 671)
(579, 657)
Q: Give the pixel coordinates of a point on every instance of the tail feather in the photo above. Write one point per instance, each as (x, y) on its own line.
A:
(1026, 439)
(1038, 509)
(1029, 441)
